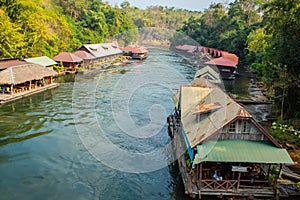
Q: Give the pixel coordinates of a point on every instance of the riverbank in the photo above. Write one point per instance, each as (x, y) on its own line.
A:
(248, 87)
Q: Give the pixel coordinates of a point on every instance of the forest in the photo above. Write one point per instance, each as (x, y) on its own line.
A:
(263, 33)
(47, 27)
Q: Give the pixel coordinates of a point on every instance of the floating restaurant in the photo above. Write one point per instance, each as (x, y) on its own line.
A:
(221, 149)
(23, 80)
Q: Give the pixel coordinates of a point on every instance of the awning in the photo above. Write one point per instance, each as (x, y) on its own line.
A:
(241, 151)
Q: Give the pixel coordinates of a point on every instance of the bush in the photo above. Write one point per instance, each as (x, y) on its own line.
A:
(285, 133)
(59, 68)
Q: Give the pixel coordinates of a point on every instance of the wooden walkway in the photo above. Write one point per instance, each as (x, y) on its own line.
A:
(5, 98)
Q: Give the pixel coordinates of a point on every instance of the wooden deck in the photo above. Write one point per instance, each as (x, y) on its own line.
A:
(5, 98)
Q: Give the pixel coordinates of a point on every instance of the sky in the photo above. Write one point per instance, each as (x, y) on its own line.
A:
(198, 5)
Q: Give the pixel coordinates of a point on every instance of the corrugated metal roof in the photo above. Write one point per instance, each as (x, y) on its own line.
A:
(206, 108)
(43, 60)
(222, 62)
(102, 50)
(208, 73)
(204, 94)
(241, 151)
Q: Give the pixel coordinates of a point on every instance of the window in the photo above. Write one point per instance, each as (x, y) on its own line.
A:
(232, 128)
(246, 127)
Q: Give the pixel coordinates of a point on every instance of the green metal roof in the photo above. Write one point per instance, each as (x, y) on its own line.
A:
(43, 60)
(241, 151)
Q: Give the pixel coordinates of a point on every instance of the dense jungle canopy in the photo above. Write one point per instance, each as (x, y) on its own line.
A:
(47, 27)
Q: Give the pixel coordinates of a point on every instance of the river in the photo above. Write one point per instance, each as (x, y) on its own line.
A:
(46, 150)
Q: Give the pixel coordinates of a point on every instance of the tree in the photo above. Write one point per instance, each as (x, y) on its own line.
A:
(276, 47)
(125, 5)
(11, 40)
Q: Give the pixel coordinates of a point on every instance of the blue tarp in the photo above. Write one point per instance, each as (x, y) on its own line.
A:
(189, 149)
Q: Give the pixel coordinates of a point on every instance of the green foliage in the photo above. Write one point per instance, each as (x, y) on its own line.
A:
(59, 68)
(226, 28)
(11, 39)
(36, 27)
(276, 46)
(298, 186)
(285, 133)
(160, 17)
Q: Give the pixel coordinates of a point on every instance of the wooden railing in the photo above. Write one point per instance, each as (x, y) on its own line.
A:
(221, 185)
(233, 185)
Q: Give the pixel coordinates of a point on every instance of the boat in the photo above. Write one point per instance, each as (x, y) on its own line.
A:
(135, 51)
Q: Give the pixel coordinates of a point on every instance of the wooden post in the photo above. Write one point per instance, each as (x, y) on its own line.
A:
(239, 181)
(197, 172)
(200, 181)
(275, 182)
(11, 89)
(269, 170)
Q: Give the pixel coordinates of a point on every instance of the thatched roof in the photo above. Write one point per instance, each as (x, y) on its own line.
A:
(101, 50)
(23, 73)
(67, 57)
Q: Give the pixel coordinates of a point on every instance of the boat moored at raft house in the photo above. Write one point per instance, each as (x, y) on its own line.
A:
(221, 149)
(23, 79)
